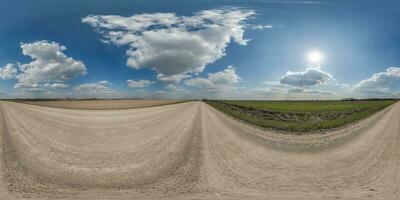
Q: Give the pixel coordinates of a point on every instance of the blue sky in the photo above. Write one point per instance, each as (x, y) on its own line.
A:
(256, 49)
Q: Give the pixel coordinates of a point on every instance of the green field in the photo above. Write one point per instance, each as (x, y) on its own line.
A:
(299, 116)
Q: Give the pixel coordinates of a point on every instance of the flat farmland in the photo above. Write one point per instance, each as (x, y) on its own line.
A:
(102, 104)
(300, 116)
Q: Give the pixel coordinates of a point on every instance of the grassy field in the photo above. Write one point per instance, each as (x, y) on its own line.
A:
(299, 116)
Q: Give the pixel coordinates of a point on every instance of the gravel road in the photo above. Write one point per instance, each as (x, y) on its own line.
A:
(190, 151)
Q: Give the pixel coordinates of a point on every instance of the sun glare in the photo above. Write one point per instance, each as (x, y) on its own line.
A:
(315, 57)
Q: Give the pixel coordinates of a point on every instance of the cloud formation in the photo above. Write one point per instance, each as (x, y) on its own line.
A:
(175, 88)
(382, 83)
(173, 46)
(139, 83)
(49, 69)
(8, 72)
(94, 89)
(305, 91)
(261, 27)
(310, 77)
(216, 81)
(49, 64)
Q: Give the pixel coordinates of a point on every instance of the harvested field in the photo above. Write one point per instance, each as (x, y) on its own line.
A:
(190, 151)
(300, 117)
(102, 104)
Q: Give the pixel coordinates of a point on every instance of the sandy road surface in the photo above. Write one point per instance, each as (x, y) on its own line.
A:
(190, 151)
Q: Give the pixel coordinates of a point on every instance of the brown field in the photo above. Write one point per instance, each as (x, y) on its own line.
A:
(102, 104)
(190, 151)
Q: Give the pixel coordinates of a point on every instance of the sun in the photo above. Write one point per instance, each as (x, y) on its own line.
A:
(314, 57)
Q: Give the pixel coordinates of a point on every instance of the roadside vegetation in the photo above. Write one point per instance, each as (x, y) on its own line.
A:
(300, 116)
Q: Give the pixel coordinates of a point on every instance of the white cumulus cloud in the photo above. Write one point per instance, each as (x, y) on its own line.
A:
(8, 72)
(173, 46)
(310, 77)
(175, 88)
(216, 81)
(139, 83)
(49, 64)
(39, 87)
(49, 69)
(382, 83)
(306, 91)
(261, 27)
(56, 85)
(99, 88)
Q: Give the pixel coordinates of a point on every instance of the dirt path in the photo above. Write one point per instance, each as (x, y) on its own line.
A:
(190, 151)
